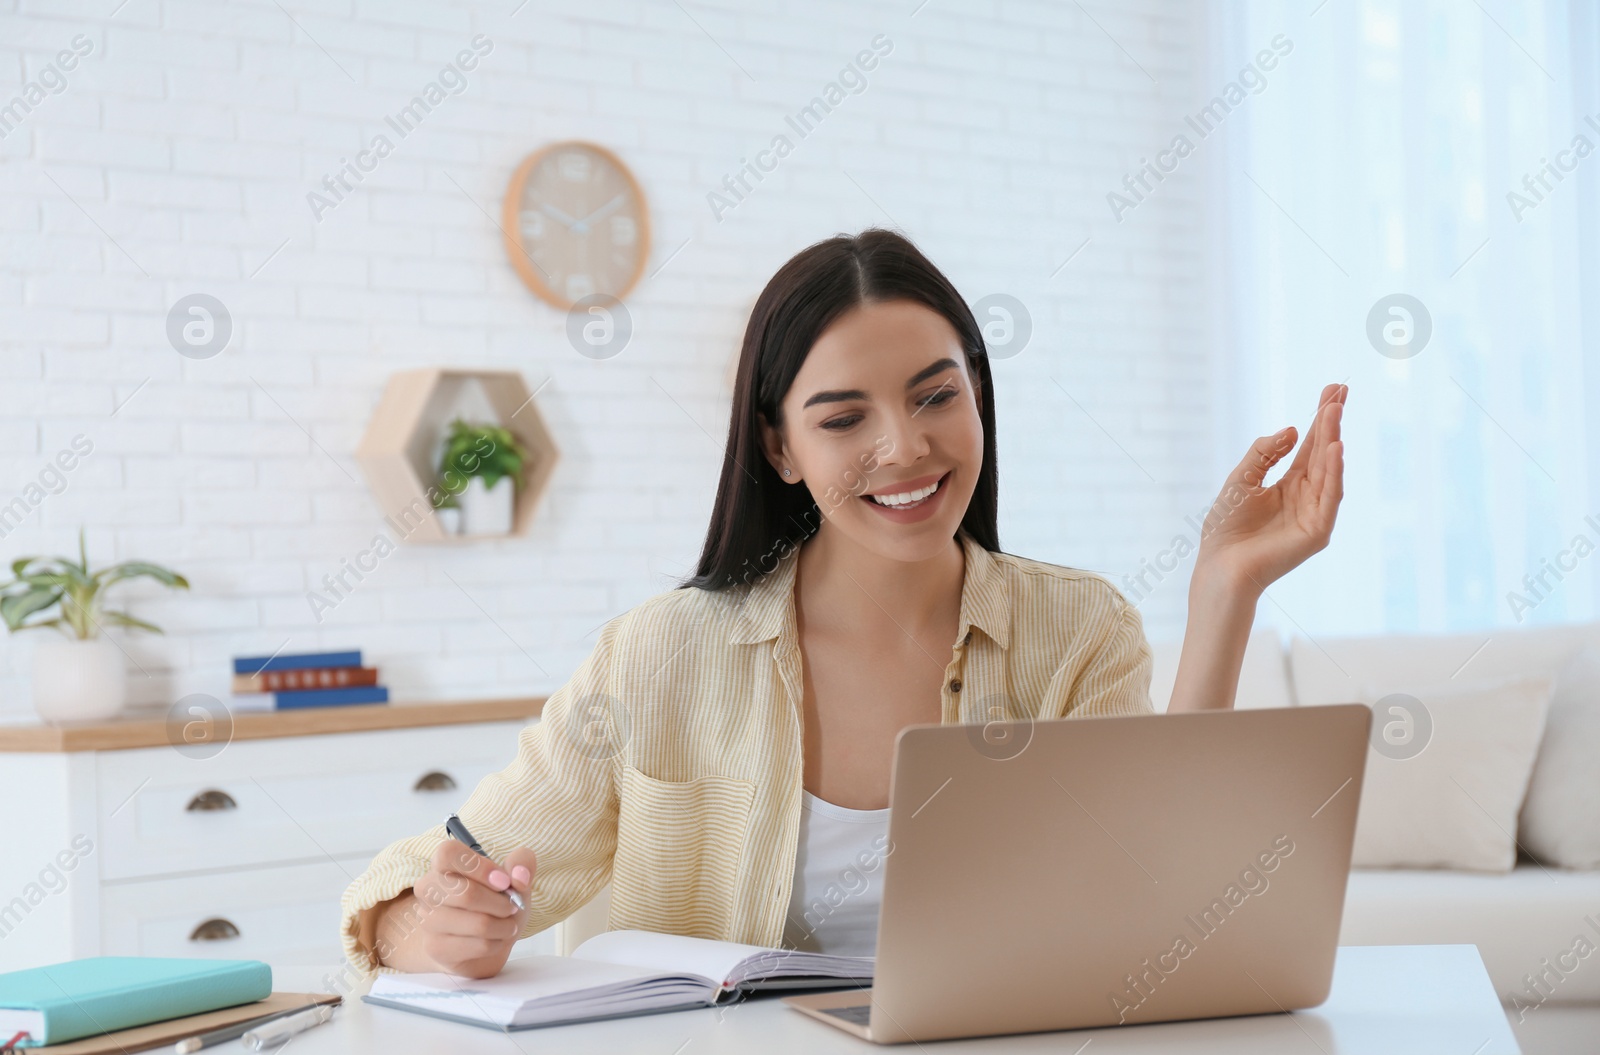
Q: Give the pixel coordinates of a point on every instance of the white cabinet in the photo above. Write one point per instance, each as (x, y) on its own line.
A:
(147, 851)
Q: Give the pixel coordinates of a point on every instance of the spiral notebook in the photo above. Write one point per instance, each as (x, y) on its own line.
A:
(616, 975)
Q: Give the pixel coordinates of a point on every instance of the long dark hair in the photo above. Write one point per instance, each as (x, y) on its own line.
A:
(758, 518)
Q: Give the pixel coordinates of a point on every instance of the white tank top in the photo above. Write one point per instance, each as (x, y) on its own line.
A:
(838, 879)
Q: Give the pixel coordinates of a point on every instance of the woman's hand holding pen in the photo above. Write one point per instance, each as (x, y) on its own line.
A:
(457, 918)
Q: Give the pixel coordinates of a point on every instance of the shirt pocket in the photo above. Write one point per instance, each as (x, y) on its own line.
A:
(679, 844)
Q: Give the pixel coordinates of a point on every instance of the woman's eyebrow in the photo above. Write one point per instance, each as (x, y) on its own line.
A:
(847, 394)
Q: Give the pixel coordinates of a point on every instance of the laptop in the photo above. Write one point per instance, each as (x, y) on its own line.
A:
(1089, 872)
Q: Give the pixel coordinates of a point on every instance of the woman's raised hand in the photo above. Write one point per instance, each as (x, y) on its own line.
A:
(1254, 535)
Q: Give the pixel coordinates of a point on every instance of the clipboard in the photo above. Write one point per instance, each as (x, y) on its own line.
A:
(166, 1034)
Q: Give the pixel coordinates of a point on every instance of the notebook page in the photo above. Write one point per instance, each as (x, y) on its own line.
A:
(663, 994)
(529, 980)
(20, 1020)
(777, 964)
(715, 961)
(723, 963)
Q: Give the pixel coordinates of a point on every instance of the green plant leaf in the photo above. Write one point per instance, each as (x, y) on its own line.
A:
(53, 570)
(463, 455)
(79, 608)
(41, 578)
(124, 619)
(139, 569)
(18, 606)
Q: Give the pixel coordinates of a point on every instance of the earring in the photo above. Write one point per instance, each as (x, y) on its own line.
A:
(786, 472)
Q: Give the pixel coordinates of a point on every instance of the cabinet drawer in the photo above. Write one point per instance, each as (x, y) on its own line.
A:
(282, 916)
(262, 802)
(286, 915)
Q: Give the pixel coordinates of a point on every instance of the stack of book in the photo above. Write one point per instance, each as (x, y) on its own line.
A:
(113, 1005)
(314, 679)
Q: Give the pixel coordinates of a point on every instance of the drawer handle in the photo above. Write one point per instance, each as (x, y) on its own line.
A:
(211, 800)
(435, 781)
(215, 930)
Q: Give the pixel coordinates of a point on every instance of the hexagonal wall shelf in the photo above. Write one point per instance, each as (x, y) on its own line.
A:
(400, 450)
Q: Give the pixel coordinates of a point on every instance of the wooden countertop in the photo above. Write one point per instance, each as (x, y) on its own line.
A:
(127, 733)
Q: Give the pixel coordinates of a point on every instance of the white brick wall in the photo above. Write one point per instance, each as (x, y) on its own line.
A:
(178, 159)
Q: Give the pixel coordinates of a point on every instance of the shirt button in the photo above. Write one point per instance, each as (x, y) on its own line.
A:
(955, 685)
(968, 639)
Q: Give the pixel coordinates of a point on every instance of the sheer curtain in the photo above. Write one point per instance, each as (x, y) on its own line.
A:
(1440, 151)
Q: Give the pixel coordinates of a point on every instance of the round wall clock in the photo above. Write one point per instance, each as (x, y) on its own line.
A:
(576, 224)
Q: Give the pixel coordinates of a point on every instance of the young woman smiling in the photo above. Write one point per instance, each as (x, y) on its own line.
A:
(722, 758)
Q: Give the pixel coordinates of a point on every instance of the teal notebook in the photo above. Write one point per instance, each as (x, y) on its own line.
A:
(84, 998)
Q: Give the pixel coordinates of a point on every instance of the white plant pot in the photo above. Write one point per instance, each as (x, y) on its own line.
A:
(78, 681)
(449, 519)
(485, 511)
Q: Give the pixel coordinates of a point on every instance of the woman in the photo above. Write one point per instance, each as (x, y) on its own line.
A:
(722, 758)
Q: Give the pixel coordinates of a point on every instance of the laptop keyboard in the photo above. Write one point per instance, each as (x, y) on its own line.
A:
(857, 1015)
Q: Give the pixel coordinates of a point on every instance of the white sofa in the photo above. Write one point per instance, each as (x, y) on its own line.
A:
(1520, 919)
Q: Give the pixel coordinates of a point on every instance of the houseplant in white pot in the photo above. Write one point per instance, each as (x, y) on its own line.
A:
(78, 676)
(482, 467)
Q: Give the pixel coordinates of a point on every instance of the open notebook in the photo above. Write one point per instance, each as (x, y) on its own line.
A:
(613, 975)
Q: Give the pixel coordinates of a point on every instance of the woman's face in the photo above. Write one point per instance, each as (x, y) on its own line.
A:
(882, 409)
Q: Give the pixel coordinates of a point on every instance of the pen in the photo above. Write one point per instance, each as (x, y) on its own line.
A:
(233, 1032)
(458, 832)
(279, 1030)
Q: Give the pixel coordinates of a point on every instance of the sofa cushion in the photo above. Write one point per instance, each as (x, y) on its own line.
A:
(1517, 920)
(1561, 815)
(1263, 677)
(1334, 669)
(1447, 771)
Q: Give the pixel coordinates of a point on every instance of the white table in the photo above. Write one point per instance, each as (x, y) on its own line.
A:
(1399, 999)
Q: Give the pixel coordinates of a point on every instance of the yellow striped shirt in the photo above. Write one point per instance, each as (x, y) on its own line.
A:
(670, 763)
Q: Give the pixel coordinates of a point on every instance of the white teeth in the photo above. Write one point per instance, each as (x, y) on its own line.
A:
(906, 498)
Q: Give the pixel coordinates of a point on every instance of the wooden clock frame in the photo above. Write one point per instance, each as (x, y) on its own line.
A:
(511, 228)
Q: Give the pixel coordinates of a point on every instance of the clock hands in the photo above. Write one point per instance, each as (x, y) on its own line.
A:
(582, 226)
(567, 221)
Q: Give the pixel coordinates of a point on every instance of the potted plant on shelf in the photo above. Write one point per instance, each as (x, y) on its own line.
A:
(480, 471)
(78, 676)
(448, 510)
